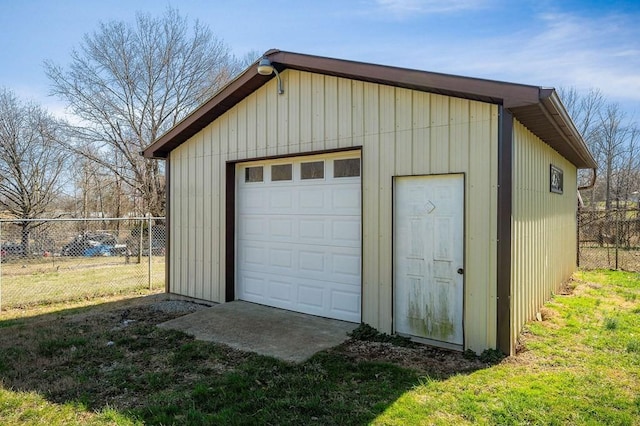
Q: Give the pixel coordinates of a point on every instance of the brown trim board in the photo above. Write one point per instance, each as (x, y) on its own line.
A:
(230, 233)
(505, 169)
(167, 226)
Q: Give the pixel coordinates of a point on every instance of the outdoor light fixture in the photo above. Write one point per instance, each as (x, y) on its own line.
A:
(266, 68)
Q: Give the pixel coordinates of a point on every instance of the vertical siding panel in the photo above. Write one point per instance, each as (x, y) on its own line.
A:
(183, 226)
(385, 234)
(357, 126)
(241, 120)
(199, 217)
(306, 113)
(176, 216)
(458, 134)
(261, 121)
(492, 301)
(345, 113)
(207, 231)
(271, 97)
(403, 132)
(331, 112)
(191, 225)
(293, 111)
(282, 124)
(219, 209)
(516, 212)
(251, 128)
(232, 140)
(318, 112)
(439, 155)
(421, 116)
(370, 214)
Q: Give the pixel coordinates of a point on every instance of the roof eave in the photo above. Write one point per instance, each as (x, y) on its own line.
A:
(538, 109)
(223, 100)
(549, 120)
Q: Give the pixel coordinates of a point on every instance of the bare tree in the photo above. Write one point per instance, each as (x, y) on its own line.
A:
(584, 110)
(614, 147)
(129, 83)
(31, 161)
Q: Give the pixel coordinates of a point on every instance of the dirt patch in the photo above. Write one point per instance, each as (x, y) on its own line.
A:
(567, 287)
(424, 359)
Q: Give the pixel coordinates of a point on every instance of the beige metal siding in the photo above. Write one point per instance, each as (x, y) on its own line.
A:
(544, 226)
(401, 132)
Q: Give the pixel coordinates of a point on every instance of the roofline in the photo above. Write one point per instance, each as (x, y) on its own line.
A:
(567, 127)
(517, 97)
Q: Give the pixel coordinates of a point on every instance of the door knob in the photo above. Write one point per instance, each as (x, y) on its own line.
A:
(460, 271)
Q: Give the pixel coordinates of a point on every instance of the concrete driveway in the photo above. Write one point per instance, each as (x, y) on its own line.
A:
(286, 335)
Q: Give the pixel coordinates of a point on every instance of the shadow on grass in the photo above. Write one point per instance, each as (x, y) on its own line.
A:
(112, 356)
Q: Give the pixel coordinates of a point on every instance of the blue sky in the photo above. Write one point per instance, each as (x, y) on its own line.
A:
(557, 43)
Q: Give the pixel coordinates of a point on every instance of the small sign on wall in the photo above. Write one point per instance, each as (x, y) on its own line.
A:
(556, 179)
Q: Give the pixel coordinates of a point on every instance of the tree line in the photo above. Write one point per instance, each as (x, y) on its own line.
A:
(127, 83)
(613, 137)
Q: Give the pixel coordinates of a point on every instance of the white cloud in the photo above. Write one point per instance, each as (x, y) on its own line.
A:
(558, 50)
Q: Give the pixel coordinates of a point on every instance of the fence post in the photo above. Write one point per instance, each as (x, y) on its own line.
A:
(150, 247)
(140, 242)
(578, 236)
(617, 229)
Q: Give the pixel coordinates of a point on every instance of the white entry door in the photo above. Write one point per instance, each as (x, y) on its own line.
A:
(298, 234)
(428, 257)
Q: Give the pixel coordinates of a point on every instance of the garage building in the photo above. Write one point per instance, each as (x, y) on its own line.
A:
(436, 206)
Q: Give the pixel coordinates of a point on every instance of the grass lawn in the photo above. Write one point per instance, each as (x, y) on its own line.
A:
(36, 281)
(108, 364)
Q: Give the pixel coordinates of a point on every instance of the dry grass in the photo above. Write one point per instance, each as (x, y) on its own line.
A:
(52, 280)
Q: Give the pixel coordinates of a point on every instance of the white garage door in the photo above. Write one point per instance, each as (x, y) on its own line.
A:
(298, 234)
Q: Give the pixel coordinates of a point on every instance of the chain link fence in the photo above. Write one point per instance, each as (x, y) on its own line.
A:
(609, 239)
(45, 261)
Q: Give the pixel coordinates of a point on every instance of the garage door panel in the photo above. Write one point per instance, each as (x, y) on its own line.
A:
(252, 198)
(280, 201)
(347, 266)
(346, 231)
(281, 258)
(346, 200)
(311, 200)
(311, 230)
(254, 286)
(281, 291)
(281, 228)
(311, 295)
(253, 254)
(299, 242)
(312, 261)
(252, 226)
(344, 302)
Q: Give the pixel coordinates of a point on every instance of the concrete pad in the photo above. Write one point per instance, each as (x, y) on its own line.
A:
(286, 335)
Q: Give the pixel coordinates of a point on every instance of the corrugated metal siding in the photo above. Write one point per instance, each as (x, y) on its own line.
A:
(544, 226)
(401, 132)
